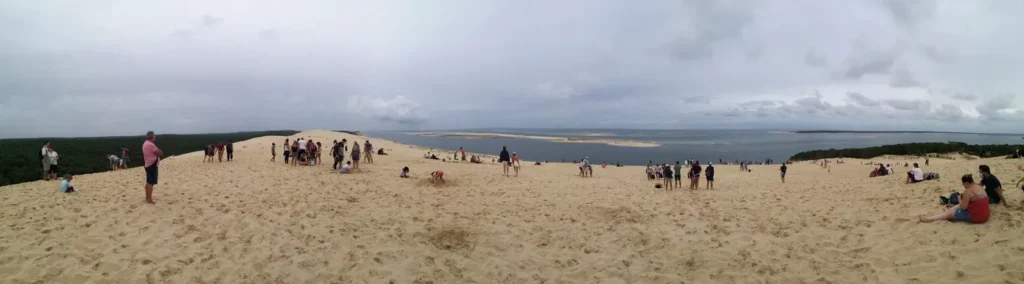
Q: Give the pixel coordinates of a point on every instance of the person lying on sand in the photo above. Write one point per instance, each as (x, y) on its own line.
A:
(975, 210)
(65, 186)
(437, 176)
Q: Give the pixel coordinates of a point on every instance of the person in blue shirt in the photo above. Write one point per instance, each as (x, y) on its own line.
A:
(65, 186)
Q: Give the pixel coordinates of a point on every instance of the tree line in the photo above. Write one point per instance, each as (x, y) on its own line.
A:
(914, 149)
(20, 159)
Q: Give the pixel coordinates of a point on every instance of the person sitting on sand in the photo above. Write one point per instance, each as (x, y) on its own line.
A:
(346, 168)
(993, 187)
(65, 185)
(437, 176)
(405, 173)
(975, 210)
(380, 152)
(915, 175)
(434, 157)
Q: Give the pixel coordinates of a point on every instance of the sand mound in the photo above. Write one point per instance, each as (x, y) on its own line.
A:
(253, 221)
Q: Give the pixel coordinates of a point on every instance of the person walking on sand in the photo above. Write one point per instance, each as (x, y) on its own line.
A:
(151, 158)
(286, 147)
(319, 150)
(231, 150)
(710, 173)
(463, 153)
(368, 152)
(355, 155)
(334, 154)
(515, 163)
(220, 151)
(273, 152)
(504, 159)
(782, 171)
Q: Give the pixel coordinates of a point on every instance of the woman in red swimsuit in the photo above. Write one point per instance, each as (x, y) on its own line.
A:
(972, 210)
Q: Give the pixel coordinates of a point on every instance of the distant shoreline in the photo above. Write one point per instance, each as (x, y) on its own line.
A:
(899, 131)
(611, 142)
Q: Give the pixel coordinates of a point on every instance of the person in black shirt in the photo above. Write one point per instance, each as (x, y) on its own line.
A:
(710, 172)
(338, 156)
(667, 173)
(504, 159)
(993, 188)
(231, 150)
(695, 175)
(783, 172)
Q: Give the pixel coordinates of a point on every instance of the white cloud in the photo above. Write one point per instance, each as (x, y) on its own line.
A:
(397, 110)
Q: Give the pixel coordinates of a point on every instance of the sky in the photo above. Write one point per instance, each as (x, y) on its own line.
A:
(97, 68)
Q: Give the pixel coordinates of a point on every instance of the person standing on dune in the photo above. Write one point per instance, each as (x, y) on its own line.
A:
(504, 159)
(355, 155)
(287, 151)
(151, 159)
(368, 152)
(231, 150)
(220, 151)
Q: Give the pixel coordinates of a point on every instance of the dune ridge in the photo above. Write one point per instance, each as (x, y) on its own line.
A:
(253, 221)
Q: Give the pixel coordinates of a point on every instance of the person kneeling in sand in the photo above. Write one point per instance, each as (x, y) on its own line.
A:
(974, 210)
(346, 168)
(65, 186)
(437, 176)
(405, 173)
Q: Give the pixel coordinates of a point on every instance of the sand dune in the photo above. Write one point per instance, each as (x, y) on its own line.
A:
(252, 221)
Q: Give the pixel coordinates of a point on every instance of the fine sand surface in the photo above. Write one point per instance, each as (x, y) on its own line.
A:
(252, 221)
(612, 142)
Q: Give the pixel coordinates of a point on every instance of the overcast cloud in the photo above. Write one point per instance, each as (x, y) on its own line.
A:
(91, 68)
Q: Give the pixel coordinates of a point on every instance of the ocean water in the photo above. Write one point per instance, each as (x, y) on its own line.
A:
(677, 145)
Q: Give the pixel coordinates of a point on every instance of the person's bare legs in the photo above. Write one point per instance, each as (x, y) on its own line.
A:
(149, 194)
(945, 215)
(711, 184)
(517, 171)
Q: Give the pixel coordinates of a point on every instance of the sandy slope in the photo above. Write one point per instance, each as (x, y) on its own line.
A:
(252, 221)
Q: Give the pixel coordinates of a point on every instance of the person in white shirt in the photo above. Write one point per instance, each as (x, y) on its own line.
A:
(302, 147)
(346, 168)
(45, 157)
(53, 164)
(114, 162)
(915, 175)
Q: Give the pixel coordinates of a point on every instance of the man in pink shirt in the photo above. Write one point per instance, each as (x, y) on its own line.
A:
(151, 157)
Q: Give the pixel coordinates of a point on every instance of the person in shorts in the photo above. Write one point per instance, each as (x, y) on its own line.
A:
(114, 162)
(151, 160)
(504, 158)
(695, 175)
(273, 152)
(668, 174)
(355, 155)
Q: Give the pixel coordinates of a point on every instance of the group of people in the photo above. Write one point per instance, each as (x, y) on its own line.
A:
(673, 175)
(973, 204)
(218, 150)
(309, 153)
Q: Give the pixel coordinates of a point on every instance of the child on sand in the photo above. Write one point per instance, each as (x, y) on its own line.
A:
(346, 168)
(273, 152)
(405, 173)
(782, 171)
(437, 176)
(515, 162)
(65, 186)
